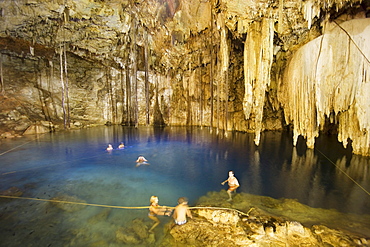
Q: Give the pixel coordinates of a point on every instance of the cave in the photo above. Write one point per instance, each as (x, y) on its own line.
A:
(300, 67)
(229, 65)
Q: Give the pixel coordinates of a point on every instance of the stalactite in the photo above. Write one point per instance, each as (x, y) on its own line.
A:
(223, 93)
(168, 80)
(201, 93)
(129, 108)
(310, 10)
(66, 86)
(38, 86)
(258, 57)
(63, 85)
(50, 89)
(218, 105)
(211, 69)
(133, 56)
(157, 113)
(327, 76)
(110, 104)
(188, 101)
(1, 75)
(134, 73)
(146, 61)
(123, 95)
(227, 100)
(281, 12)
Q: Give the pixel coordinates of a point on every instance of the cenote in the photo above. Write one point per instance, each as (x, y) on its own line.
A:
(190, 162)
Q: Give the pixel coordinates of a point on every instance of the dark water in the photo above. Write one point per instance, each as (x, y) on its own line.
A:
(183, 162)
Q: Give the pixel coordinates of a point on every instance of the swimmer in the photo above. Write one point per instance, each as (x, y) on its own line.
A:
(141, 159)
(121, 145)
(181, 211)
(109, 148)
(233, 184)
(155, 209)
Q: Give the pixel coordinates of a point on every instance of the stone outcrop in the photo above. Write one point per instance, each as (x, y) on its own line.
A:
(256, 230)
(262, 221)
(225, 64)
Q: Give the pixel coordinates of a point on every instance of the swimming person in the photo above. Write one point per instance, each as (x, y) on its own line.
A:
(141, 161)
(155, 209)
(233, 184)
(109, 148)
(181, 211)
(121, 145)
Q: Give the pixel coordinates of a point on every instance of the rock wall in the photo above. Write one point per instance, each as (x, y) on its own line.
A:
(72, 64)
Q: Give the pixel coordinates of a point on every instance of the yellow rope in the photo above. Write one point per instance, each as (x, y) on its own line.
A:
(367, 192)
(21, 145)
(119, 207)
(78, 203)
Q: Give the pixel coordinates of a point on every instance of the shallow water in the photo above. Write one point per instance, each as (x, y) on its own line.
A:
(183, 162)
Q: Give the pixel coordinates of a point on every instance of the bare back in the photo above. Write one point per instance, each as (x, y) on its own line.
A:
(181, 211)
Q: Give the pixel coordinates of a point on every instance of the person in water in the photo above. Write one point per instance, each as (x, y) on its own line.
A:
(109, 148)
(233, 184)
(121, 145)
(155, 209)
(182, 211)
(141, 159)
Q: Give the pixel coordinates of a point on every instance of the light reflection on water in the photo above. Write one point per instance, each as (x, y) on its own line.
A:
(183, 162)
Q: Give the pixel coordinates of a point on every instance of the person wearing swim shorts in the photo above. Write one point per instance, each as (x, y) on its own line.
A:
(233, 184)
(155, 209)
(181, 211)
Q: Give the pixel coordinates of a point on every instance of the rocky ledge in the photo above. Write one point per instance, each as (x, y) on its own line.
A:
(270, 222)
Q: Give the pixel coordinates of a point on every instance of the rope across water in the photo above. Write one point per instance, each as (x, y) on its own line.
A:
(117, 207)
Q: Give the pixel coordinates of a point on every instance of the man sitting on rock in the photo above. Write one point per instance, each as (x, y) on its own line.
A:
(181, 211)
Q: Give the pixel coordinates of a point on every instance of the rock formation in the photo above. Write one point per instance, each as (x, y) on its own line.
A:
(234, 65)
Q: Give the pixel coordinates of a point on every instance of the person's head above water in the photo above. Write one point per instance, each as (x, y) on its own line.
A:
(153, 199)
(182, 200)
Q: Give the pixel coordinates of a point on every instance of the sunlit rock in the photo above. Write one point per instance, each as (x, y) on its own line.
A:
(261, 225)
(36, 129)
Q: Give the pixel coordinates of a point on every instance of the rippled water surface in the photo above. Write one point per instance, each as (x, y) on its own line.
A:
(182, 162)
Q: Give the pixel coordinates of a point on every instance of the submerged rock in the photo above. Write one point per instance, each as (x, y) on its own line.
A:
(68, 203)
(136, 233)
(12, 191)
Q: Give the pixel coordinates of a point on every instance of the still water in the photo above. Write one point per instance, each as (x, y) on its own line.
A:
(182, 162)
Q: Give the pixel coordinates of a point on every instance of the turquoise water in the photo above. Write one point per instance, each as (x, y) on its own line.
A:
(183, 162)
